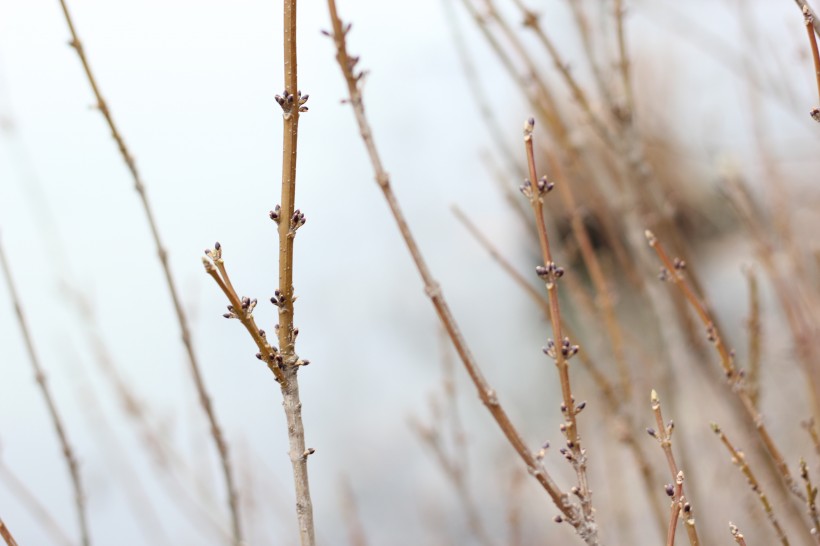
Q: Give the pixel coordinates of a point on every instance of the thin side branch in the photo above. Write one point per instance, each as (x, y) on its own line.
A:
(739, 460)
(56, 419)
(139, 186)
(680, 505)
(560, 348)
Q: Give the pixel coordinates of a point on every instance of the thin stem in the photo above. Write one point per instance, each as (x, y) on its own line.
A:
(739, 459)
(673, 272)
(139, 186)
(755, 339)
(615, 405)
(811, 501)
(290, 219)
(6, 534)
(56, 420)
(808, 18)
(559, 348)
(486, 393)
(680, 504)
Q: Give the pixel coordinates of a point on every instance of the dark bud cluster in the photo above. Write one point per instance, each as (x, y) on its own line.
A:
(248, 305)
(542, 187)
(663, 274)
(287, 101)
(297, 220)
(278, 299)
(550, 272)
(679, 264)
(274, 214)
(567, 351)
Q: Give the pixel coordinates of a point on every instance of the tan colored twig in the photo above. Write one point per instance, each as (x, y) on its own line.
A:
(6, 534)
(56, 419)
(139, 186)
(559, 348)
(811, 501)
(755, 338)
(486, 393)
(615, 404)
(289, 220)
(739, 460)
(808, 18)
(672, 271)
(680, 504)
(736, 534)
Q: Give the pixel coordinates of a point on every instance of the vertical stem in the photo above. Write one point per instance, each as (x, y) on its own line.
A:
(286, 331)
(40, 376)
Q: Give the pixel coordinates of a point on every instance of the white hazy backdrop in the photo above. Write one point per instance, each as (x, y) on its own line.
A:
(192, 85)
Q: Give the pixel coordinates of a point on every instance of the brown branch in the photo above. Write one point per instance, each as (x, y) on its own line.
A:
(486, 393)
(672, 271)
(615, 405)
(6, 534)
(680, 504)
(196, 374)
(289, 220)
(559, 348)
(739, 460)
(56, 419)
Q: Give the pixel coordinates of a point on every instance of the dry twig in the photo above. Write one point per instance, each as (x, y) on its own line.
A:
(56, 419)
(663, 435)
(560, 349)
(196, 374)
(739, 460)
